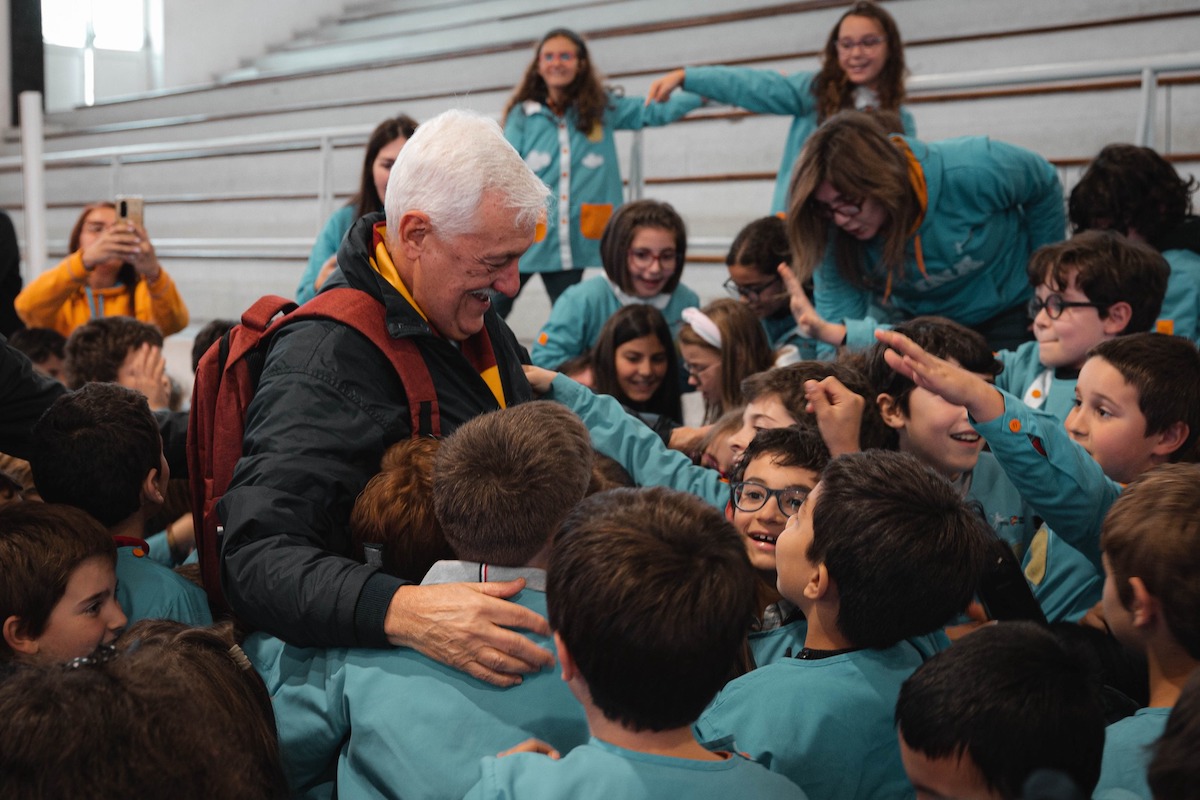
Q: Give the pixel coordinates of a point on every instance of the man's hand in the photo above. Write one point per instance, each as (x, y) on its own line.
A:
(952, 383)
(811, 323)
(660, 90)
(466, 626)
(539, 379)
(145, 370)
(839, 414)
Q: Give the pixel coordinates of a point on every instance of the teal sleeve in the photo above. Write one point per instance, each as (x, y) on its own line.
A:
(910, 124)
(762, 91)
(562, 336)
(836, 300)
(1022, 178)
(1181, 304)
(636, 447)
(310, 709)
(1059, 480)
(514, 128)
(632, 113)
(327, 244)
(160, 551)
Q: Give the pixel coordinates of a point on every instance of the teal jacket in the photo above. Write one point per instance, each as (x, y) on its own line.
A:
(582, 172)
(1181, 306)
(398, 724)
(990, 205)
(580, 312)
(765, 91)
(1024, 376)
(327, 244)
(1127, 752)
(148, 590)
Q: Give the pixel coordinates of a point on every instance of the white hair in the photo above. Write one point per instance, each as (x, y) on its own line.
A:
(447, 166)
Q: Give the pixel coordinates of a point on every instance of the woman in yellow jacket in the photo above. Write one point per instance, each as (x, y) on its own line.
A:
(112, 271)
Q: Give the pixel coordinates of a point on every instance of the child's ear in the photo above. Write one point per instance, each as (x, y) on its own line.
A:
(889, 409)
(1171, 439)
(1144, 606)
(1117, 318)
(151, 491)
(819, 583)
(564, 659)
(17, 639)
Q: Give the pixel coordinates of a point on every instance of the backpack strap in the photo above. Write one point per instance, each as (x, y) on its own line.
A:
(361, 312)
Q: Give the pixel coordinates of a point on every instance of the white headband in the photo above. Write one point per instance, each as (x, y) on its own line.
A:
(704, 327)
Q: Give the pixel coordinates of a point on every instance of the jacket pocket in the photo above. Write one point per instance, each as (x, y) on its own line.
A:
(593, 217)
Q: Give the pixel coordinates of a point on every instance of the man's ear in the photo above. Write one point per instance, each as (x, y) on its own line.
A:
(889, 409)
(17, 639)
(151, 490)
(1171, 439)
(412, 232)
(1117, 318)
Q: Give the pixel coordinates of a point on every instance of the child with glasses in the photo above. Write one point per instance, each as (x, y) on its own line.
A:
(561, 119)
(1091, 288)
(862, 67)
(753, 262)
(642, 249)
(722, 344)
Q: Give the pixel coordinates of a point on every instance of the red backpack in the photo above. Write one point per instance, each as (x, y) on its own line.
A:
(227, 378)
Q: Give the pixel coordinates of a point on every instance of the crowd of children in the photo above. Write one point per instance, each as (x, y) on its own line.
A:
(924, 539)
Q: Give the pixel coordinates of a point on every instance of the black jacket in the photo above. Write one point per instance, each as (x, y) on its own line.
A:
(328, 405)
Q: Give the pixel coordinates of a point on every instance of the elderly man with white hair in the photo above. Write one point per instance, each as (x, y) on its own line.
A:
(461, 208)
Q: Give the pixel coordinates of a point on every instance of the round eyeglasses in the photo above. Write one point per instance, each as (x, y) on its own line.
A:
(867, 43)
(750, 496)
(847, 208)
(751, 293)
(1055, 305)
(642, 258)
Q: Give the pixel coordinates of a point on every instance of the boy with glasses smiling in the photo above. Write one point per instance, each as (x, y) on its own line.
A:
(1091, 288)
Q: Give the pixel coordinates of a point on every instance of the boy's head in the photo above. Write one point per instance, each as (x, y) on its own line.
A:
(975, 721)
(44, 346)
(207, 336)
(1138, 403)
(776, 473)
(1151, 546)
(57, 598)
(394, 512)
(921, 422)
(1132, 190)
(655, 580)
(505, 480)
(100, 451)
(607, 473)
(97, 349)
(1090, 288)
(775, 398)
(887, 539)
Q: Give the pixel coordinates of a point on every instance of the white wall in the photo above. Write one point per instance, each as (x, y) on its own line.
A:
(202, 40)
(6, 98)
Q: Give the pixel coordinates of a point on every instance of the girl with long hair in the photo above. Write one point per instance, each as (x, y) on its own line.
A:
(722, 344)
(634, 361)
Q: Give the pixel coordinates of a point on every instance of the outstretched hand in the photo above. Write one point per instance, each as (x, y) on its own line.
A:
(539, 378)
(468, 626)
(839, 414)
(660, 90)
(811, 323)
(949, 381)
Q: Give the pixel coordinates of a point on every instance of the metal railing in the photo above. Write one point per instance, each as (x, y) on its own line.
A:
(33, 158)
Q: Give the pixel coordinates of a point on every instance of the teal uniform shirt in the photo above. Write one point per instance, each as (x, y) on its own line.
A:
(582, 172)
(581, 311)
(1180, 313)
(826, 723)
(327, 244)
(782, 331)
(765, 91)
(990, 204)
(1051, 390)
(602, 771)
(399, 724)
(1127, 751)
(148, 590)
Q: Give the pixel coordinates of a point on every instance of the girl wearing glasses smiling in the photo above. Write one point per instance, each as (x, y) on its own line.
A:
(642, 250)
(561, 119)
(862, 66)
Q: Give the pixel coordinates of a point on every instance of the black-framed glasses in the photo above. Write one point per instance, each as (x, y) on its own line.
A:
(736, 290)
(1055, 305)
(847, 208)
(643, 257)
(750, 496)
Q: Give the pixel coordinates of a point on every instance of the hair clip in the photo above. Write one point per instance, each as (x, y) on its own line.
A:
(240, 658)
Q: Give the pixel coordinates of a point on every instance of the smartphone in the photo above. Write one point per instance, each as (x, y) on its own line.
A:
(1004, 592)
(129, 208)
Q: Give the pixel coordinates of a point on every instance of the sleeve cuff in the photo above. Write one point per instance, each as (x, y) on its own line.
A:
(371, 609)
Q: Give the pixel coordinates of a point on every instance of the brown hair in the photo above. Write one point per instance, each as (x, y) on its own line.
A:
(505, 480)
(395, 512)
(1152, 532)
(853, 153)
(833, 88)
(626, 324)
(365, 200)
(1108, 269)
(41, 545)
(97, 349)
(586, 94)
(655, 578)
(744, 349)
(618, 238)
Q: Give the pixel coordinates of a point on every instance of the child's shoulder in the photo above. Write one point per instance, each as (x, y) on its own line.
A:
(149, 590)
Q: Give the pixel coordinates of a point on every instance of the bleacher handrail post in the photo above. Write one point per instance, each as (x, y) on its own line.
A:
(1145, 129)
(325, 181)
(34, 184)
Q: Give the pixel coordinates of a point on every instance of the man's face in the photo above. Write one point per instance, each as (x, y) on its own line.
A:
(452, 277)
